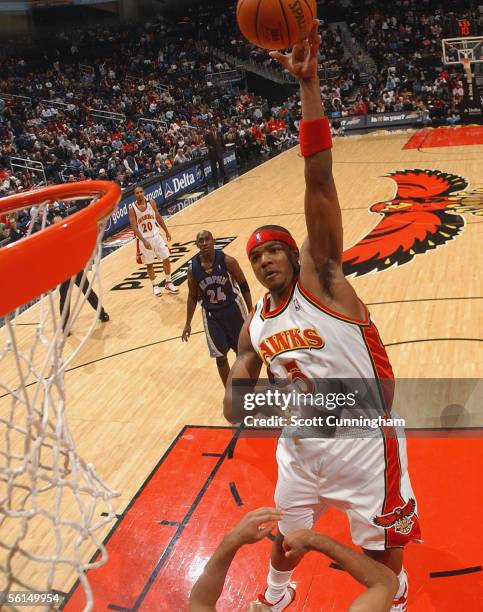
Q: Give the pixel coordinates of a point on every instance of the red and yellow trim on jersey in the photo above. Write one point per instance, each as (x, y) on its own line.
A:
(394, 504)
(270, 314)
(380, 364)
(393, 500)
(337, 315)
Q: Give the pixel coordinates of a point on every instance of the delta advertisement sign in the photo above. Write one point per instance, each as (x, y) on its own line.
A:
(194, 177)
(166, 190)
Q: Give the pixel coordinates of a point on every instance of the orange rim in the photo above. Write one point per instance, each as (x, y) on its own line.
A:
(35, 264)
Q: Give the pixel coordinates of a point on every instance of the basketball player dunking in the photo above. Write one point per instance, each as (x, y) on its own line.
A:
(211, 280)
(146, 223)
(310, 299)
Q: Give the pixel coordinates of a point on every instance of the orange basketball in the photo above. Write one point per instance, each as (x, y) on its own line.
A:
(275, 24)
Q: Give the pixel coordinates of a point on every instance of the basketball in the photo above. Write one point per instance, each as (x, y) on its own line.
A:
(275, 24)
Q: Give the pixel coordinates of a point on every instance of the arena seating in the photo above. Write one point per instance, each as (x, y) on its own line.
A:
(127, 102)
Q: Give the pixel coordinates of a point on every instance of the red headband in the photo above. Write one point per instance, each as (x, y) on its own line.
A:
(262, 236)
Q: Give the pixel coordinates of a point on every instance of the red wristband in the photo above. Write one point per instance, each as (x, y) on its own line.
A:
(314, 136)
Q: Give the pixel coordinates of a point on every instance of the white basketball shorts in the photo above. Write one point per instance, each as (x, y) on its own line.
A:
(367, 478)
(158, 248)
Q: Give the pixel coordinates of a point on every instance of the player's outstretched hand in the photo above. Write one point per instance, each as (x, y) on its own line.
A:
(302, 62)
(168, 236)
(147, 244)
(255, 525)
(186, 333)
(298, 543)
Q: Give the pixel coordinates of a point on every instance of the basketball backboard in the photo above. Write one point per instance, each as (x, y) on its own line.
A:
(456, 49)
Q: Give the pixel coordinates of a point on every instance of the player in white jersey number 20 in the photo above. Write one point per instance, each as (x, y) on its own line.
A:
(311, 325)
(146, 223)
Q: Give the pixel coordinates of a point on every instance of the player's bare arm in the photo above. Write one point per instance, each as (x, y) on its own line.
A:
(190, 305)
(380, 581)
(237, 273)
(247, 366)
(135, 229)
(160, 221)
(321, 254)
(252, 528)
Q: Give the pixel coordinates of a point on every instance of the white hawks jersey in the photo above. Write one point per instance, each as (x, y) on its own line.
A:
(146, 220)
(303, 336)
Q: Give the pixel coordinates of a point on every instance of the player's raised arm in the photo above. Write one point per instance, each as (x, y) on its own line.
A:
(322, 211)
(236, 272)
(246, 367)
(190, 305)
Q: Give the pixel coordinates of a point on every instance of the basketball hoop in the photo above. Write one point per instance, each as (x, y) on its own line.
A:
(32, 266)
(49, 496)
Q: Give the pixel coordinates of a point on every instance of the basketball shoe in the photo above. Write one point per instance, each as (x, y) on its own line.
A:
(284, 602)
(156, 290)
(170, 287)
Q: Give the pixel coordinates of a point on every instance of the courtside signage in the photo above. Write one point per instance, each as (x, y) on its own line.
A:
(120, 217)
(166, 190)
(180, 183)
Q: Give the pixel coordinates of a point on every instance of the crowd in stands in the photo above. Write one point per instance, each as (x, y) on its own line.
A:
(221, 31)
(339, 73)
(404, 39)
(125, 102)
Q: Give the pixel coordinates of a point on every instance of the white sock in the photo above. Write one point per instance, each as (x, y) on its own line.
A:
(154, 281)
(277, 584)
(167, 278)
(403, 581)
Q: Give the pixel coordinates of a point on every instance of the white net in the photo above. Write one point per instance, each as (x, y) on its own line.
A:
(54, 509)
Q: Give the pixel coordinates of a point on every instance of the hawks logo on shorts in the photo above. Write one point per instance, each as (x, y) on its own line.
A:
(399, 518)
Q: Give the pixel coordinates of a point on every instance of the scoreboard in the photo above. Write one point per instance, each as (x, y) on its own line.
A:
(463, 27)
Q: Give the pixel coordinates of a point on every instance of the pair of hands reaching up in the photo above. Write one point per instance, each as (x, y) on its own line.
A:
(255, 525)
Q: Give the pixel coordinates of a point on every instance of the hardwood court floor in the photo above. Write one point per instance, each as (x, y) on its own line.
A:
(134, 386)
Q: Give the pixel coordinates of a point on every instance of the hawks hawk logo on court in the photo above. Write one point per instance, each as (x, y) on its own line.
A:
(399, 518)
(424, 214)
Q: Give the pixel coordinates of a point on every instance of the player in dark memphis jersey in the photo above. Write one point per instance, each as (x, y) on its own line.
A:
(216, 281)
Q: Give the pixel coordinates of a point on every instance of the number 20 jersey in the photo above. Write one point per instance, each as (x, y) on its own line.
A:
(216, 289)
(304, 335)
(146, 220)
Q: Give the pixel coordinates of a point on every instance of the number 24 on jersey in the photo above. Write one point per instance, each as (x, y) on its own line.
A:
(216, 298)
